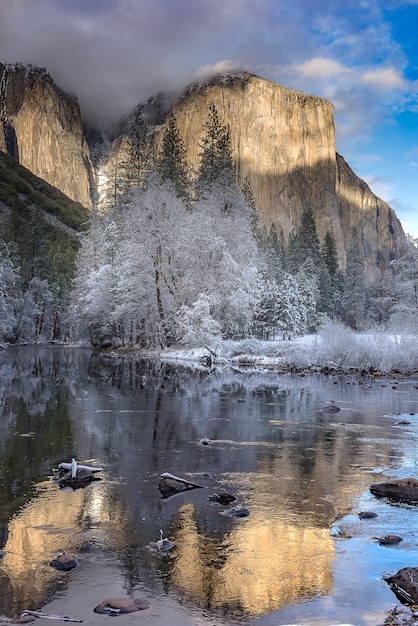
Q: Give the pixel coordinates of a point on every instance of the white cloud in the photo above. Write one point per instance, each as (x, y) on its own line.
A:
(386, 79)
(322, 68)
(222, 67)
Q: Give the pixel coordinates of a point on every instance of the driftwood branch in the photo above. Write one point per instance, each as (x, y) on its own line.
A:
(179, 480)
(69, 466)
(62, 618)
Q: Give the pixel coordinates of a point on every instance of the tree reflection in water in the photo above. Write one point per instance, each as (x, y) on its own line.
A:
(296, 467)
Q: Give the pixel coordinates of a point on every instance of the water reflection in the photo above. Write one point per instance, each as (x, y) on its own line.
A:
(296, 467)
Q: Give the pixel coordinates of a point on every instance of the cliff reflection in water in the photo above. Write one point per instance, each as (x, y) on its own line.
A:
(295, 467)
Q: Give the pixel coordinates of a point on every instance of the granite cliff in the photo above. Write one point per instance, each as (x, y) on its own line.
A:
(283, 141)
(41, 128)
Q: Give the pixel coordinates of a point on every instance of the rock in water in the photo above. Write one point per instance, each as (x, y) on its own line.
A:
(64, 562)
(389, 540)
(404, 585)
(367, 515)
(117, 606)
(222, 498)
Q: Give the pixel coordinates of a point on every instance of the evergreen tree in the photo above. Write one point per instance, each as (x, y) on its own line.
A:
(404, 312)
(250, 200)
(266, 321)
(380, 297)
(328, 275)
(330, 254)
(354, 297)
(304, 243)
(216, 164)
(291, 308)
(272, 249)
(138, 147)
(170, 163)
(308, 282)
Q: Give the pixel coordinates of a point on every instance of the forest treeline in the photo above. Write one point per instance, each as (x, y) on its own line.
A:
(176, 256)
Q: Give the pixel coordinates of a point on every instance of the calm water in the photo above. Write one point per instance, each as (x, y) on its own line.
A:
(298, 469)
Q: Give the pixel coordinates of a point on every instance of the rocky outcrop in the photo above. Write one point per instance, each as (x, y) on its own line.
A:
(41, 128)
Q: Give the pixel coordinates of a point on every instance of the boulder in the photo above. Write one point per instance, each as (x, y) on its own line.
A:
(404, 585)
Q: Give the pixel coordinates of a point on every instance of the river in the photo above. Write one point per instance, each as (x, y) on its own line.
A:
(298, 469)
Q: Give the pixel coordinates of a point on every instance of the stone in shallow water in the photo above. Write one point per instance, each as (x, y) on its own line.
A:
(389, 540)
(64, 562)
(117, 606)
(404, 585)
(367, 515)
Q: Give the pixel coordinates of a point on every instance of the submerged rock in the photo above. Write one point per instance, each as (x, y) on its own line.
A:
(237, 511)
(399, 490)
(222, 498)
(331, 408)
(117, 606)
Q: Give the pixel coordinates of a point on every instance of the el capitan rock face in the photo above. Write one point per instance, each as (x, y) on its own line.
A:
(41, 128)
(283, 141)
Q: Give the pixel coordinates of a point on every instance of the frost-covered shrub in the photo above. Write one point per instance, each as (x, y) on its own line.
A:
(196, 326)
(336, 343)
(378, 350)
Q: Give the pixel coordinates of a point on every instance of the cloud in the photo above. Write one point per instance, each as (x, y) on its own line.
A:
(115, 53)
(322, 68)
(384, 79)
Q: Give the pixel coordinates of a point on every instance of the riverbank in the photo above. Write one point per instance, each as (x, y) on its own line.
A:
(335, 350)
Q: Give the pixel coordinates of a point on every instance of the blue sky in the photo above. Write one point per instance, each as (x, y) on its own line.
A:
(361, 55)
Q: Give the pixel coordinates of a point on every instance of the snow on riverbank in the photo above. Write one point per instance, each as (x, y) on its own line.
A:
(336, 347)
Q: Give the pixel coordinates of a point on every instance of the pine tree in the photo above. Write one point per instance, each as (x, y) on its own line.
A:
(250, 200)
(216, 163)
(330, 253)
(138, 146)
(170, 163)
(354, 297)
(304, 243)
(328, 276)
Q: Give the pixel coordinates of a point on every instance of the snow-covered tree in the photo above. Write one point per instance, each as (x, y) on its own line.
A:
(195, 325)
(157, 256)
(292, 310)
(8, 295)
(266, 321)
(404, 311)
(354, 297)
